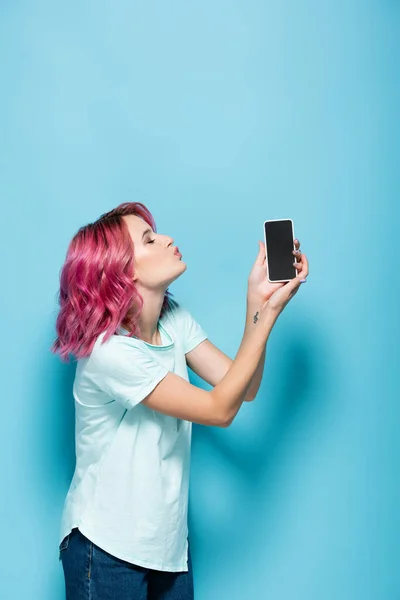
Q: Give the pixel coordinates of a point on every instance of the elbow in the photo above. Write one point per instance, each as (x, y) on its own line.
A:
(226, 420)
(226, 423)
(249, 398)
(222, 422)
(219, 416)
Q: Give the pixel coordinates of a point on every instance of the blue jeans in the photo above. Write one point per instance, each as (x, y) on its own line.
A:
(90, 573)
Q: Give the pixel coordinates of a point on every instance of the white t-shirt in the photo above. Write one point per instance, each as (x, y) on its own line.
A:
(129, 491)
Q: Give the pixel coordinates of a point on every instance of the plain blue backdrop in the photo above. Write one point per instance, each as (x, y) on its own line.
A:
(217, 116)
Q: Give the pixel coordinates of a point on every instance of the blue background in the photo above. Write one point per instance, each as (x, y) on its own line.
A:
(217, 116)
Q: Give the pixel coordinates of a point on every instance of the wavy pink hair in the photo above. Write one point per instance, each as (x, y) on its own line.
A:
(97, 291)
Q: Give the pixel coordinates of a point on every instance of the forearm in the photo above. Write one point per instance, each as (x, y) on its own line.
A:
(231, 391)
(252, 306)
(256, 379)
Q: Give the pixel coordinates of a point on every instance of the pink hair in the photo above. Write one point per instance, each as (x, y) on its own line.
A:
(97, 291)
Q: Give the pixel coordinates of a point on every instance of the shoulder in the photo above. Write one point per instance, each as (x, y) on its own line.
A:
(178, 315)
(187, 328)
(117, 350)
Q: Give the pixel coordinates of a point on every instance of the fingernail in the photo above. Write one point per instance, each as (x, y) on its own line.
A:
(303, 280)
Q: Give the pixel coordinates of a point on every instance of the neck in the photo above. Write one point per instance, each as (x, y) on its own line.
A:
(149, 317)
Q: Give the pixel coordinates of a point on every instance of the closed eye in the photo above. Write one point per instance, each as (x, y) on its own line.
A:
(150, 241)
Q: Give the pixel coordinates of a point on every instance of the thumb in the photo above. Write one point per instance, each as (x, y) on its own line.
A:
(261, 258)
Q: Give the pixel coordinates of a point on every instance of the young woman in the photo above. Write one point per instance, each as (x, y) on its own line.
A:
(124, 529)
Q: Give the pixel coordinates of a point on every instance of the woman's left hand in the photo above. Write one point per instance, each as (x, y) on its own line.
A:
(259, 289)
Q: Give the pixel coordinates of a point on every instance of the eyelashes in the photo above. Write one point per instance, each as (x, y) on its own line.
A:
(150, 241)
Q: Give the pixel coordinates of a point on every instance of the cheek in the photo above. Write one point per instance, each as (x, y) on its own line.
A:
(150, 263)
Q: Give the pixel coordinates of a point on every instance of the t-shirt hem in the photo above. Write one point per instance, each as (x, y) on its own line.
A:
(144, 392)
(121, 555)
(195, 342)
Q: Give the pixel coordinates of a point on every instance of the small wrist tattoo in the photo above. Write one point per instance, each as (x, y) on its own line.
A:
(255, 318)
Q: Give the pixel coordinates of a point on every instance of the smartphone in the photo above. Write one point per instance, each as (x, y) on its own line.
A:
(279, 244)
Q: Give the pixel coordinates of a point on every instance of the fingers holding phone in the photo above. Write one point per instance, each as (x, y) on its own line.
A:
(281, 247)
(284, 294)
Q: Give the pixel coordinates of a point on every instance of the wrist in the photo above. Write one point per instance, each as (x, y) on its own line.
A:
(253, 301)
(253, 309)
(258, 309)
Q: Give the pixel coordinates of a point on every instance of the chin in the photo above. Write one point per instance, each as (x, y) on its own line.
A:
(179, 270)
(183, 267)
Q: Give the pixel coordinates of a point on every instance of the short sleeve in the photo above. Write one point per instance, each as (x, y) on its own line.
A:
(127, 373)
(189, 330)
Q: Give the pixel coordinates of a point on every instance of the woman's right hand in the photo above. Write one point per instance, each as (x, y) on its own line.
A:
(277, 302)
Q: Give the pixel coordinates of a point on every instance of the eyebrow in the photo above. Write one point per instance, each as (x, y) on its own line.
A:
(147, 231)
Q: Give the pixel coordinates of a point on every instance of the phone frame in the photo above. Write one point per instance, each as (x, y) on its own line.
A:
(266, 251)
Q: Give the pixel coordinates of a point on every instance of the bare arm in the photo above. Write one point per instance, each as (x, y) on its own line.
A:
(258, 374)
(234, 387)
(211, 364)
(177, 397)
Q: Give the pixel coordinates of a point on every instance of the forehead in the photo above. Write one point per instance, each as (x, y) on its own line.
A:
(136, 226)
